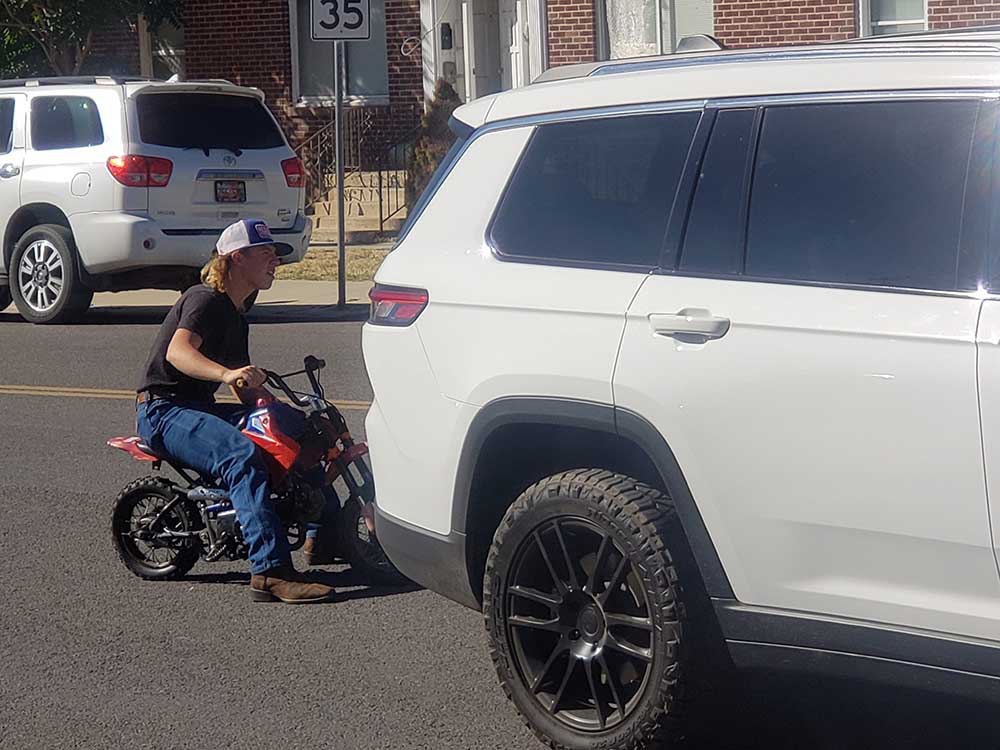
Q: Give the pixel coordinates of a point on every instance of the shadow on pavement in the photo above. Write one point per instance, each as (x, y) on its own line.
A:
(264, 313)
(349, 584)
(775, 712)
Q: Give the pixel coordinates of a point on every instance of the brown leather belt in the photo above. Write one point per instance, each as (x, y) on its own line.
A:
(144, 396)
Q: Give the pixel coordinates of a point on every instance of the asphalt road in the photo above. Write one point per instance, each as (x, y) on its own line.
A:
(92, 657)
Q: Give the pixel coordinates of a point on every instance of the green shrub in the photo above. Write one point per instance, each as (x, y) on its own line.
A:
(433, 140)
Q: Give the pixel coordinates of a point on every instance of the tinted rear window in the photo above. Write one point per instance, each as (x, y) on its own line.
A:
(596, 191)
(189, 120)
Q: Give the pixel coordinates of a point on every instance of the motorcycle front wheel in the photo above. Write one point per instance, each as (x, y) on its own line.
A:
(143, 535)
(362, 550)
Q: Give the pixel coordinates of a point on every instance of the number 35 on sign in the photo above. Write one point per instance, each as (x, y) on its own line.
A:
(340, 20)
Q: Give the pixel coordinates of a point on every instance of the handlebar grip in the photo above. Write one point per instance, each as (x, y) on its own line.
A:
(313, 363)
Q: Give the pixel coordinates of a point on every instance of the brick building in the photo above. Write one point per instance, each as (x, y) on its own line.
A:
(479, 46)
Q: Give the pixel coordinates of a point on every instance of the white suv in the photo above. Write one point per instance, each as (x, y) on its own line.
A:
(704, 351)
(113, 184)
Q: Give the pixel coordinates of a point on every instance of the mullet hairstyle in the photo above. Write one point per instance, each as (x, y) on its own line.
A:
(216, 271)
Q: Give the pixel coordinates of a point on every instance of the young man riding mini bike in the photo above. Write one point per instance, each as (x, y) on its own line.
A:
(202, 343)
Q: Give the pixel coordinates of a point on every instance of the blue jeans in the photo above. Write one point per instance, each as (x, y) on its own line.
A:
(204, 437)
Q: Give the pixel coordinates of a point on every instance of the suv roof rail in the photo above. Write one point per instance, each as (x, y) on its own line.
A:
(872, 49)
(222, 81)
(179, 80)
(866, 47)
(69, 81)
(966, 33)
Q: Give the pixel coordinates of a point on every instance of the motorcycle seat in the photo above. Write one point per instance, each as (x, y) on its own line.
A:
(135, 447)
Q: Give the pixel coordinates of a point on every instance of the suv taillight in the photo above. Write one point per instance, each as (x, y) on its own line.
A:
(295, 175)
(140, 171)
(396, 306)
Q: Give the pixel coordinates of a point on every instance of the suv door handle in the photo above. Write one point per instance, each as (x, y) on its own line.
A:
(690, 324)
(9, 170)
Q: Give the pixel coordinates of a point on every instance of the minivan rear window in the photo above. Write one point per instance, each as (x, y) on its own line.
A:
(64, 122)
(6, 125)
(197, 120)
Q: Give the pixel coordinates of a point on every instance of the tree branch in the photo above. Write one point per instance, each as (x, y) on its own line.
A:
(82, 51)
(18, 23)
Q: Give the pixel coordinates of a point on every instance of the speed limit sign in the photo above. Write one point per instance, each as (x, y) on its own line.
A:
(341, 20)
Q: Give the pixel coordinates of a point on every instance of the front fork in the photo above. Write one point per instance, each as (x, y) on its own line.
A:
(352, 467)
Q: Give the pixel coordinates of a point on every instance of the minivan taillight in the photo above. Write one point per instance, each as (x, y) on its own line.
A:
(295, 175)
(132, 170)
(396, 306)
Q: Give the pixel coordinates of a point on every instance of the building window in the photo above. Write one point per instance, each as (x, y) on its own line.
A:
(636, 28)
(365, 75)
(167, 51)
(161, 50)
(880, 17)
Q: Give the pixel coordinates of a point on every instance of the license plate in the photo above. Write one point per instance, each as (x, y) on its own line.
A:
(230, 191)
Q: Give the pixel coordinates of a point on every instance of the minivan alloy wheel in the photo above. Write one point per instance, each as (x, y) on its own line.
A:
(44, 280)
(41, 276)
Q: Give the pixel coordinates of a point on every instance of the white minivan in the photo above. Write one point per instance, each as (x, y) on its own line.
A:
(693, 362)
(110, 184)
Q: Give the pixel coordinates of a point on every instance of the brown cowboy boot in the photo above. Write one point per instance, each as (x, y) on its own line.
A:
(284, 584)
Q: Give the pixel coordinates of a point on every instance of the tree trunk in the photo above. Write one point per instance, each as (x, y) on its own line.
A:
(81, 52)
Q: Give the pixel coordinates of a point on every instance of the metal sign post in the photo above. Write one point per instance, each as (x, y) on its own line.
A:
(338, 49)
(340, 21)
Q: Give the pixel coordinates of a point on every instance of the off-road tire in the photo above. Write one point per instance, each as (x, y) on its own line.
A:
(642, 521)
(371, 563)
(145, 487)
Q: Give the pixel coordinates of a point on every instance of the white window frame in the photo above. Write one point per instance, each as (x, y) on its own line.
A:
(865, 24)
(146, 52)
(319, 101)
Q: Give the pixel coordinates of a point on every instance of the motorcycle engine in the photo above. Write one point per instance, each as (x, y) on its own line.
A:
(300, 502)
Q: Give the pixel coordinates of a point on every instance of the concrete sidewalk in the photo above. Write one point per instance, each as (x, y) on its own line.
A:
(283, 292)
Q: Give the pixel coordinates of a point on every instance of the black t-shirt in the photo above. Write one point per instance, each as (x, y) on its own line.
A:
(225, 338)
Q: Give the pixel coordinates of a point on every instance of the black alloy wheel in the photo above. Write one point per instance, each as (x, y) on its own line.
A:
(583, 610)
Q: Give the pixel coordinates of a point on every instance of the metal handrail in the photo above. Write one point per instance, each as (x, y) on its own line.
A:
(362, 150)
(392, 197)
(318, 153)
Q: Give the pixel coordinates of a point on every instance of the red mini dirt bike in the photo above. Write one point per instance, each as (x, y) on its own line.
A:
(161, 528)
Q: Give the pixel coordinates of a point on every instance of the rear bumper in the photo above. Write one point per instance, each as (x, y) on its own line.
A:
(113, 241)
(434, 561)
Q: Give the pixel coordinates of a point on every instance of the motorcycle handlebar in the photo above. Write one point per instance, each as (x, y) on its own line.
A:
(312, 365)
(279, 382)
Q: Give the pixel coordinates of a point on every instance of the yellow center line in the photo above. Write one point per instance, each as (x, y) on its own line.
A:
(126, 395)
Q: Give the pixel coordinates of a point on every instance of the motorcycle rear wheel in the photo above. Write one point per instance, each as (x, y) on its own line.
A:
(134, 510)
(362, 550)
